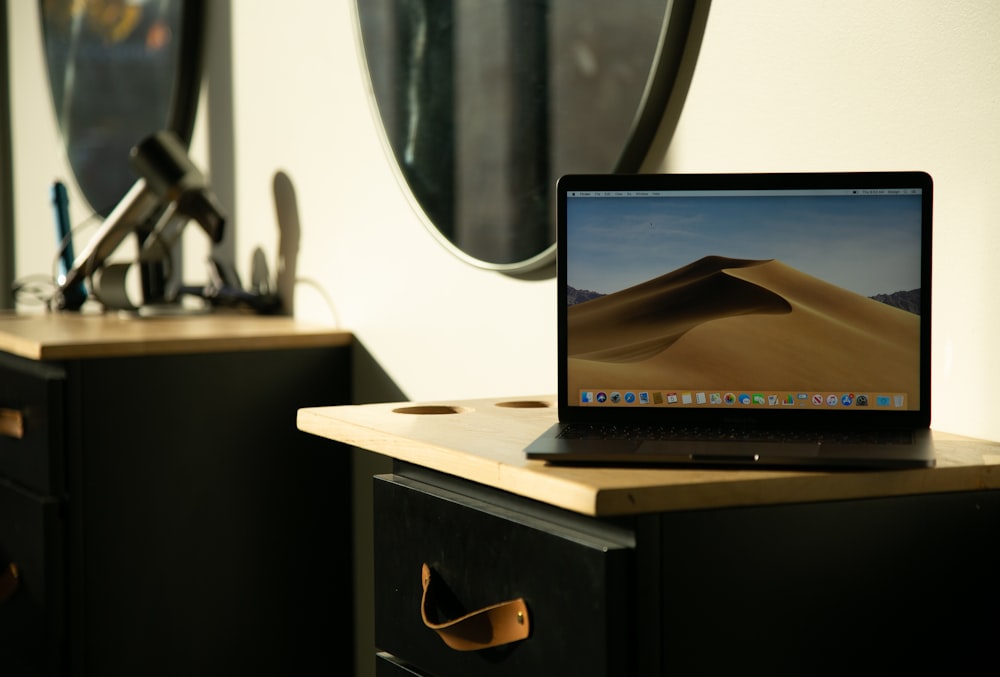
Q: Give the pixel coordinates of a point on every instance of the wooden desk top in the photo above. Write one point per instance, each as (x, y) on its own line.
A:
(57, 336)
(482, 441)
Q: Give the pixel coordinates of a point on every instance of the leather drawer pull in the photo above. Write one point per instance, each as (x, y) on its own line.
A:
(488, 627)
(9, 581)
(11, 423)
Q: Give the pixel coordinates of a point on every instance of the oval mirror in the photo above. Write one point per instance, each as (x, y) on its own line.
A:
(119, 70)
(484, 104)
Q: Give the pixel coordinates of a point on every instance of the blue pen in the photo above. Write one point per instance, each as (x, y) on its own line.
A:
(74, 296)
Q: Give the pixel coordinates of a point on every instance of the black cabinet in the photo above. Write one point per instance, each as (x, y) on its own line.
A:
(166, 517)
(32, 521)
(659, 571)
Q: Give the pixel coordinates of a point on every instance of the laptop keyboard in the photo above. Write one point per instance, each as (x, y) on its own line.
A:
(708, 433)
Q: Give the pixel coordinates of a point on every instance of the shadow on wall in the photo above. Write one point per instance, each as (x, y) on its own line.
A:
(370, 382)
(286, 208)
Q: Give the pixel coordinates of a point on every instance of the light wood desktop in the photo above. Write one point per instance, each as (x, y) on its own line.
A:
(483, 441)
(56, 336)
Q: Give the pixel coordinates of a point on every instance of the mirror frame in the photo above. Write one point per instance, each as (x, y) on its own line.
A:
(672, 41)
(181, 117)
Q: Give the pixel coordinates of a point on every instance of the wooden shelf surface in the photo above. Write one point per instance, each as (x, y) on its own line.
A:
(482, 440)
(57, 336)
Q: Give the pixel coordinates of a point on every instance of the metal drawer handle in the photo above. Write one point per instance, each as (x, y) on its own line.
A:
(11, 423)
(9, 580)
(491, 626)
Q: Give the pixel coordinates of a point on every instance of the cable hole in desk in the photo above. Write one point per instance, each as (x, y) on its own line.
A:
(525, 404)
(434, 409)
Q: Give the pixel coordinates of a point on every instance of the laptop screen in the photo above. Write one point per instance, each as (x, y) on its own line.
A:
(777, 295)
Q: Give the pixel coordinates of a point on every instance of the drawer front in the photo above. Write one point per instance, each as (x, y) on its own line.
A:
(883, 586)
(576, 583)
(31, 611)
(31, 419)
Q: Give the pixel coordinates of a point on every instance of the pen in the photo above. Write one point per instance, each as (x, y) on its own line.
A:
(74, 296)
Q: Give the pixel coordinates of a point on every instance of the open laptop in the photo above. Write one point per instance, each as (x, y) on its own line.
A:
(778, 320)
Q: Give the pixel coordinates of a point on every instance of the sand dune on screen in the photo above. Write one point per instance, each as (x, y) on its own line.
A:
(752, 324)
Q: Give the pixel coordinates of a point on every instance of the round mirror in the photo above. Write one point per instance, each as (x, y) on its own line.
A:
(119, 70)
(484, 104)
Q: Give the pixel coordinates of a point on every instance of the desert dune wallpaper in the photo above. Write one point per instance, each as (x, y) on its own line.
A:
(746, 324)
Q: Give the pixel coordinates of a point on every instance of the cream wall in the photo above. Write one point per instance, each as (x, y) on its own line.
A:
(858, 84)
(779, 85)
(439, 328)
(889, 84)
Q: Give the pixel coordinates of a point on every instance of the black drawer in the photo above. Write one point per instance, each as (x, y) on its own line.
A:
(390, 666)
(31, 422)
(32, 626)
(485, 548)
(884, 586)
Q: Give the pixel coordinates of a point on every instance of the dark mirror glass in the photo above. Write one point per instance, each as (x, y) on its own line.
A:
(485, 103)
(119, 70)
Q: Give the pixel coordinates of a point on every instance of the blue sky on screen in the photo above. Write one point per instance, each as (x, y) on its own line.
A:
(867, 244)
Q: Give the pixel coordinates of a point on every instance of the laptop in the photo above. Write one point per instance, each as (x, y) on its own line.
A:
(747, 320)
